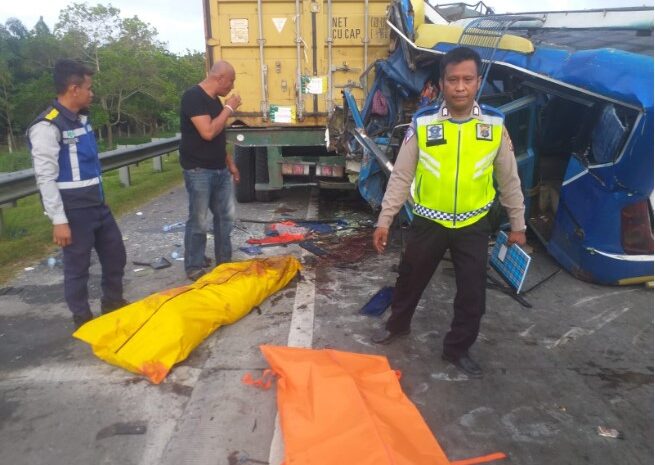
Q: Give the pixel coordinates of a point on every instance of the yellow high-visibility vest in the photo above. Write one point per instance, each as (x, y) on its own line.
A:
(453, 185)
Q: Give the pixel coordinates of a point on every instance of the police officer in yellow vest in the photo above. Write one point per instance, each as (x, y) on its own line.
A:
(447, 163)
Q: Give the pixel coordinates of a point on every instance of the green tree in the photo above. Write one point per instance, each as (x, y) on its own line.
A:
(138, 83)
(10, 35)
(87, 28)
(123, 52)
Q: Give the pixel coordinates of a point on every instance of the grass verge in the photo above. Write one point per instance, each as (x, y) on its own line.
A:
(27, 232)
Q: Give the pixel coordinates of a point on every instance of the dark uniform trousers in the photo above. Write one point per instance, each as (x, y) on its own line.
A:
(93, 227)
(427, 242)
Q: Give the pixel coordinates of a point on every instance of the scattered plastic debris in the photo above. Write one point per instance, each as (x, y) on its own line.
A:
(29, 268)
(139, 213)
(177, 253)
(285, 227)
(156, 264)
(313, 248)
(241, 228)
(318, 228)
(325, 238)
(173, 226)
(379, 303)
(142, 272)
(277, 240)
(252, 250)
(609, 432)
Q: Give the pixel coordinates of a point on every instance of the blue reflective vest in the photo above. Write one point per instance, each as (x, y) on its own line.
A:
(79, 180)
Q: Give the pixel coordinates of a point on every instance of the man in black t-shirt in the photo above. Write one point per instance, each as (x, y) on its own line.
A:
(208, 168)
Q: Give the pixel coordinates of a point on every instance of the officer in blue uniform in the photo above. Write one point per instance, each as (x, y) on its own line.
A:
(68, 174)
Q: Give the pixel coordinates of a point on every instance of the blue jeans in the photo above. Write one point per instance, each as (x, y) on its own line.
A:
(208, 190)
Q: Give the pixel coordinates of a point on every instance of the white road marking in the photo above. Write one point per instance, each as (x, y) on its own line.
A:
(363, 339)
(161, 421)
(301, 332)
(66, 373)
(527, 331)
(576, 332)
(523, 429)
(440, 376)
(602, 296)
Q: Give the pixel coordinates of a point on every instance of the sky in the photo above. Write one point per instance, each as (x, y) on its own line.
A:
(180, 25)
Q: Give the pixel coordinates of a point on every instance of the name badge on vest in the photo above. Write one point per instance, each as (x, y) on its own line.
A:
(69, 137)
(435, 135)
(484, 131)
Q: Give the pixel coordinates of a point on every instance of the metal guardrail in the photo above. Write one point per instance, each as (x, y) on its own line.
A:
(19, 184)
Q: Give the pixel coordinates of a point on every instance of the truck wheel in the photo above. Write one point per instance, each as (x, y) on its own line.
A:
(244, 158)
(261, 175)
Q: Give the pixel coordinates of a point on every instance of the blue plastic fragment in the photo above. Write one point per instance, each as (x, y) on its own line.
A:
(313, 248)
(378, 304)
(252, 250)
(320, 228)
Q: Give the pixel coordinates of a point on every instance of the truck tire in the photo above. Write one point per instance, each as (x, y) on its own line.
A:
(261, 175)
(244, 158)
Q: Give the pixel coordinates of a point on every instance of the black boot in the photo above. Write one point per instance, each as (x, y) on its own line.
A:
(80, 318)
(108, 306)
(465, 364)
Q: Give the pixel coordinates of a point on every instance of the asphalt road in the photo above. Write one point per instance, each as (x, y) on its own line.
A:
(579, 358)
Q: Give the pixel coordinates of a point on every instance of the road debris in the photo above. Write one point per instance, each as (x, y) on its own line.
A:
(156, 264)
(609, 432)
(240, 458)
(252, 250)
(173, 226)
(281, 239)
(127, 428)
(379, 303)
(313, 248)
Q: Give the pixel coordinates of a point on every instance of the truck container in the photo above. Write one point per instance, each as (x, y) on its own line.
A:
(292, 60)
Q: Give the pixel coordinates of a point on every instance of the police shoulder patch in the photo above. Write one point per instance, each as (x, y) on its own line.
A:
(52, 114)
(409, 133)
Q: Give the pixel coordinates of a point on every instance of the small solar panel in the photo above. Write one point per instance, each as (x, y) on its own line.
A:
(510, 262)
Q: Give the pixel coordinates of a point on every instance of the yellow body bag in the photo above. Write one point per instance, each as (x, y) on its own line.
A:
(150, 336)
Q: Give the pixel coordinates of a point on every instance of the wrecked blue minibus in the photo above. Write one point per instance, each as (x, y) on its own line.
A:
(581, 123)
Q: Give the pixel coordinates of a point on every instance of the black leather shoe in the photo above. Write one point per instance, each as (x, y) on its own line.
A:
(384, 336)
(80, 318)
(195, 274)
(108, 306)
(466, 364)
